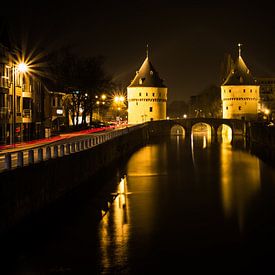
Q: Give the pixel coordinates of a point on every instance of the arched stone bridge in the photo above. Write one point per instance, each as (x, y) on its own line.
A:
(238, 127)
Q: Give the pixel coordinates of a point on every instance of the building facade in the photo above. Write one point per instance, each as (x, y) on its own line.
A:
(240, 92)
(21, 102)
(267, 95)
(146, 95)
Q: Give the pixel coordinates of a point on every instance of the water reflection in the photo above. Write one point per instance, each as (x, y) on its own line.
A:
(114, 231)
(177, 130)
(225, 134)
(239, 179)
(200, 140)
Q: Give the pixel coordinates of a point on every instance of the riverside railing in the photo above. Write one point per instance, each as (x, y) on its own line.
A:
(20, 158)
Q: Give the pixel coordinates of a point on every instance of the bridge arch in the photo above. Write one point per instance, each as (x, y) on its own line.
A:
(177, 130)
(201, 127)
(238, 127)
(224, 132)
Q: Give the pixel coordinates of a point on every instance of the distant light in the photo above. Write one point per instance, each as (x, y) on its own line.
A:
(185, 116)
(103, 97)
(267, 111)
(168, 117)
(59, 111)
(22, 67)
(119, 99)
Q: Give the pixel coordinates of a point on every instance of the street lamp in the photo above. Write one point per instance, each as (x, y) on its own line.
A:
(21, 68)
(98, 102)
(119, 102)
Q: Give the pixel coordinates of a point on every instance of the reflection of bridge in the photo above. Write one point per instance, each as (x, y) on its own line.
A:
(237, 126)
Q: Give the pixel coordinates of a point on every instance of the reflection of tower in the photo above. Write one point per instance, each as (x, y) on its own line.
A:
(147, 95)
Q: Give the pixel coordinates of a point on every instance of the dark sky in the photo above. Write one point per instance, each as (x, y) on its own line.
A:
(187, 41)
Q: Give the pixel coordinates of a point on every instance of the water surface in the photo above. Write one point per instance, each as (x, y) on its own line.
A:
(178, 206)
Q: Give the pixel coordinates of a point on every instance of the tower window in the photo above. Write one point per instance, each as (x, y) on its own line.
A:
(244, 90)
(153, 94)
(146, 94)
(226, 107)
(139, 94)
(229, 91)
(151, 109)
(136, 103)
(240, 108)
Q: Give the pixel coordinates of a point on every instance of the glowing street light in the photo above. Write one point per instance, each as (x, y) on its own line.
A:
(22, 67)
(119, 104)
(119, 99)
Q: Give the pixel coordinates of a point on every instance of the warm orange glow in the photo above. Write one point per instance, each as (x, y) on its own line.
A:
(177, 130)
(236, 192)
(267, 111)
(118, 99)
(225, 133)
(114, 227)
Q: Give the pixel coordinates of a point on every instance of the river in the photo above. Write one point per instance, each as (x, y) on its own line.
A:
(177, 206)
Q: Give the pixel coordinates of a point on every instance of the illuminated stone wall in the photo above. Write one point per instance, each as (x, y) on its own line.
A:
(240, 101)
(146, 104)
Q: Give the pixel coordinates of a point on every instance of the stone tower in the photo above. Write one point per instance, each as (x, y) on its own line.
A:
(239, 92)
(147, 95)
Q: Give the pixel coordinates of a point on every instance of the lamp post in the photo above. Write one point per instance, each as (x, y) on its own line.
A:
(22, 68)
(119, 102)
(98, 102)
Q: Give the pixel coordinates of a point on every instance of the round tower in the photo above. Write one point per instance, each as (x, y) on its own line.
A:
(147, 95)
(239, 92)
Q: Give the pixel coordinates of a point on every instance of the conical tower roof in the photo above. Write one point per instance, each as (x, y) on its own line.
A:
(240, 75)
(147, 76)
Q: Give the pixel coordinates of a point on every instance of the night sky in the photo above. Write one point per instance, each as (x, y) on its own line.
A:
(187, 41)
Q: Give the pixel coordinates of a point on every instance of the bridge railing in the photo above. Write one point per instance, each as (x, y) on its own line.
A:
(20, 158)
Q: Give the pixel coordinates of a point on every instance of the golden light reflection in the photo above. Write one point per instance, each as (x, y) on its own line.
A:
(114, 229)
(240, 181)
(149, 161)
(200, 138)
(177, 130)
(225, 133)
